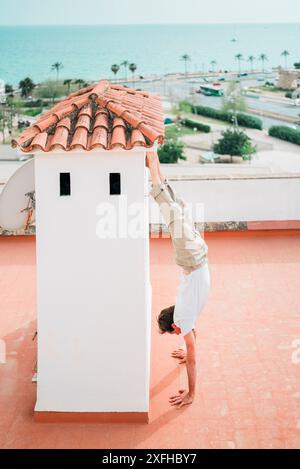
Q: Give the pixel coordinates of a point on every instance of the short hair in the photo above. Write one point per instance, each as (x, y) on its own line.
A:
(166, 319)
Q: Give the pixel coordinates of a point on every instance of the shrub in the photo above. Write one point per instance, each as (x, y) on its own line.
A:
(285, 133)
(171, 151)
(32, 112)
(196, 125)
(297, 65)
(244, 120)
(185, 106)
(288, 94)
(251, 122)
(33, 103)
(234, 143)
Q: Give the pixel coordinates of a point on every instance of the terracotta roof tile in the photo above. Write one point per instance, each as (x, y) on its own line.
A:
(137, 138)
(64, 111)
(83, 121)
(118, 137)
(60, 138)
(118, 122)
(25, 137)
(99, 138)
(40, 140)
(82, 91)
(101, 120)
(44, 124)
(66, 122)
(80, 138)
(102, 115)
(86, 111)
(134, 119)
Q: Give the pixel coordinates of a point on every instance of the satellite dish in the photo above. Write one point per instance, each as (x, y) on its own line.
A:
(17, 200)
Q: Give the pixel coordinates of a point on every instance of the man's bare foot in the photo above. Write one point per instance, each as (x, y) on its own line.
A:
(180, 354)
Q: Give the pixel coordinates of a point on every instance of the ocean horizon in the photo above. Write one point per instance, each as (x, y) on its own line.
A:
(88, 52)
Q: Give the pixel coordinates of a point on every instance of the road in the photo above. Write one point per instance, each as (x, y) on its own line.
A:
(176, 90)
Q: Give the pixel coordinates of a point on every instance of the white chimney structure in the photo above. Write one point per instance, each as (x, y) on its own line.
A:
(92, 247)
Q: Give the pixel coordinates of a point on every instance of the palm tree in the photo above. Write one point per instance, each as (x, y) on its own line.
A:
(125, 64)
(57, 66)
(132, 68)
(186, 58)
(239, 58)
(68, 83)
(26, 87)
(79, 82)
(263, 58)
(115, 68)
(285, 54)
(213, 63)
(251, 59)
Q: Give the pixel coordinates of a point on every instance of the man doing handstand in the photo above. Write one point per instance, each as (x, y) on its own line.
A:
(190, 254)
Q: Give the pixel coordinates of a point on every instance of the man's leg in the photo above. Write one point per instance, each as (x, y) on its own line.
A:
(151, 161)
(171, 190)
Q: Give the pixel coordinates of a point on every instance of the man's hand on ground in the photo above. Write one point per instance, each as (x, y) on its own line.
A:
(180, 354)
(181, 399)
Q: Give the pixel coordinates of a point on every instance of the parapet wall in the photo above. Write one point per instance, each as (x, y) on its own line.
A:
(232, 202)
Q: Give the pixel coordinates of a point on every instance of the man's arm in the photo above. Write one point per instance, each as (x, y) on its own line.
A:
(187, 397)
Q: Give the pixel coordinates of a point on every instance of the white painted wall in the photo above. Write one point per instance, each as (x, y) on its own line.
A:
(93, 294)
(257, 199)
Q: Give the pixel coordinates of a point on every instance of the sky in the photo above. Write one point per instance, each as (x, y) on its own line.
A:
(35, 12)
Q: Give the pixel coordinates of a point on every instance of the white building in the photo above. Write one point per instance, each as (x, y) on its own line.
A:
(93, 286)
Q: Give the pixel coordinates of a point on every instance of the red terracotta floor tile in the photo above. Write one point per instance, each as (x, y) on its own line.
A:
(248, 386)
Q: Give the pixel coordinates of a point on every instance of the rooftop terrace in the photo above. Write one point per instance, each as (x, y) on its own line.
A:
(248, 352)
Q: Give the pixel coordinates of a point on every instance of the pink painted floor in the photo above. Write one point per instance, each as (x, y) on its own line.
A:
(248, 351)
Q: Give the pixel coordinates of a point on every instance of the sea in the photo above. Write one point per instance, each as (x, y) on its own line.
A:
(88, 52)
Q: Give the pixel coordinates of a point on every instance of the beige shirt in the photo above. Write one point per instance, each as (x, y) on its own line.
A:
(190, 248)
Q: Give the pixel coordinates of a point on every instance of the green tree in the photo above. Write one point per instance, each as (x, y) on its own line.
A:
(57, 66)
(185, 58)
(251, 59)
(234, 142)
(263, 58)
(115, 68)
(26, 86)
(171, 151)
(79, 82)
(233, 101)
(125, 64)
(285, 54)
(239, 58)
(68, 83)
(9, 90)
